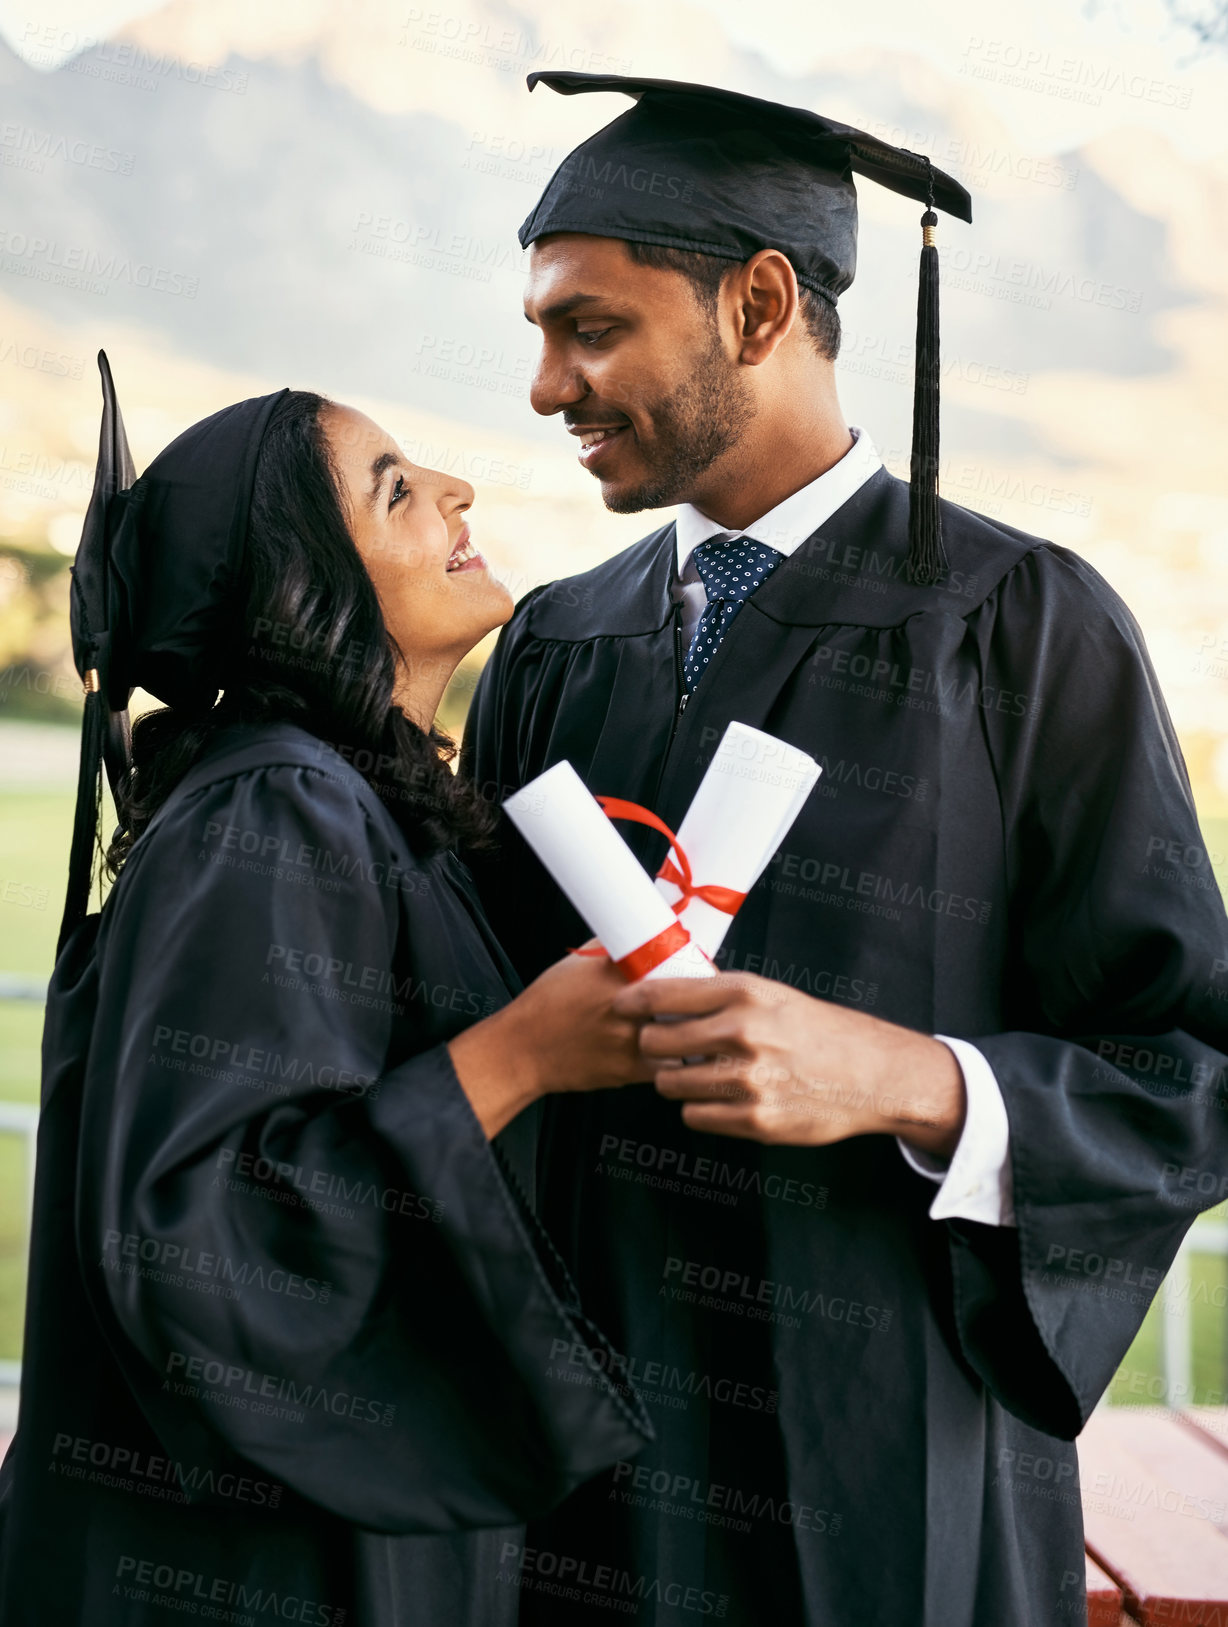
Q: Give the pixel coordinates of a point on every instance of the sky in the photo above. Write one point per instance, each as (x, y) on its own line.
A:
(1051, 62)
(1084, 312)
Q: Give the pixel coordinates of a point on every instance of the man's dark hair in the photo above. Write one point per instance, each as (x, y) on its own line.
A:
(705, 272)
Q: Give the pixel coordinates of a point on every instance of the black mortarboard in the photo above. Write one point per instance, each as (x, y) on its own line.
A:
(713, 171)
(153, 589)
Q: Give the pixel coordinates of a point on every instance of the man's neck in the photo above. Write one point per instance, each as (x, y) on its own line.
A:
(765, 468)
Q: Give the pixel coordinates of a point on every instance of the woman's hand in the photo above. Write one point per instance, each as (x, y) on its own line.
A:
(560, 1034)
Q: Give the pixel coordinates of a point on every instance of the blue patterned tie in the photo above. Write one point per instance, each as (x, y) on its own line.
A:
(730, 568)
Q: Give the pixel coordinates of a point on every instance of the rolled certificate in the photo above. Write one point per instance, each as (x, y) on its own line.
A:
(563, 824)
(754, 789)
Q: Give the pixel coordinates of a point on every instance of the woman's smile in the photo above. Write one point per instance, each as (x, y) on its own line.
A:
(464, 556)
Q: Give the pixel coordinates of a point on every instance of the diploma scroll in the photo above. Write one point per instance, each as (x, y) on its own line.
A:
(563, 824)
(746, 804)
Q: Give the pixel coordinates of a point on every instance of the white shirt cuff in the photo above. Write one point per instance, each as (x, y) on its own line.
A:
(976, 1184)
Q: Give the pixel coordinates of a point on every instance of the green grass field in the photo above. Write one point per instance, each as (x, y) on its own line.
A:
(1139, 1381)
(35, 827)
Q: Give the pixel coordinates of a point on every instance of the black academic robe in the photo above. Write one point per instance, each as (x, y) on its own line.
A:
(864, 1415)
(290, 1324)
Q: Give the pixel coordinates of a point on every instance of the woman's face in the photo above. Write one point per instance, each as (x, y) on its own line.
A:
(435, 590)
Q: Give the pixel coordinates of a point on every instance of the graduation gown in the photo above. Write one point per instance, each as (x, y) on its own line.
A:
(290, 1321)
(864, 1415)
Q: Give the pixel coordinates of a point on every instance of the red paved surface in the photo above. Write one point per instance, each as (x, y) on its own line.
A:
(1156, 1533)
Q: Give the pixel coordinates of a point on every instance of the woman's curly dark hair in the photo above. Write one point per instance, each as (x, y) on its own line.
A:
(311, 649)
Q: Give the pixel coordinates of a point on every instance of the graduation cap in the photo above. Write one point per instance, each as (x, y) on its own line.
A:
(105, 732)
(715, 172)
(151, 602)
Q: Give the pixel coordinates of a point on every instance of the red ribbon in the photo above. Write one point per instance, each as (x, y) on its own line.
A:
(720, 898)
(649, 955)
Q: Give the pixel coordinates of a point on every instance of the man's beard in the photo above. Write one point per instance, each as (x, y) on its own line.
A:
(694, 426)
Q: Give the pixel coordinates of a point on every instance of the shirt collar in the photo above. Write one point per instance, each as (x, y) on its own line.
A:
(799, 516)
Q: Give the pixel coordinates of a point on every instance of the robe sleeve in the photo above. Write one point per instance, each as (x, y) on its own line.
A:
(290, 1218)
(1116, 994)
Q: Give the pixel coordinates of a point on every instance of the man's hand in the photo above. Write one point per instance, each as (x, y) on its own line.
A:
(761, 1060)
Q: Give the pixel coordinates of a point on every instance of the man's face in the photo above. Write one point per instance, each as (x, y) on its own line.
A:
(637, 367)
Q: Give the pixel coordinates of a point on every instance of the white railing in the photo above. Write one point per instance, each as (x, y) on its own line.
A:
(20, 1118)
(1176, 1304)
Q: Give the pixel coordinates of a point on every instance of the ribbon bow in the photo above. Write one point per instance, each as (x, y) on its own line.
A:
(641, 961)
(724, 899)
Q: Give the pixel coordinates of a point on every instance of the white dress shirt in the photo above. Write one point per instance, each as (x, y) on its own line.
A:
(976, 1184)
